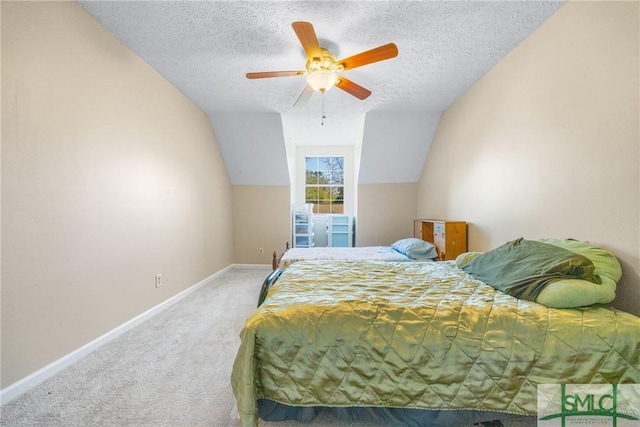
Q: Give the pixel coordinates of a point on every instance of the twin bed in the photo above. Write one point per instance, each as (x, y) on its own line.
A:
(429, 343)
(403, 250)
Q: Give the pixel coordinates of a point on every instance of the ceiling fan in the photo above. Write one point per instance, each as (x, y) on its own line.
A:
(322, 67)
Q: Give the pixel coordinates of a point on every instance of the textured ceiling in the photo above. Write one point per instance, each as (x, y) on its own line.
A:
(205, 48)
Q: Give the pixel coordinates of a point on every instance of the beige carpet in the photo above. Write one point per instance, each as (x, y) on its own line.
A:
(172, 370)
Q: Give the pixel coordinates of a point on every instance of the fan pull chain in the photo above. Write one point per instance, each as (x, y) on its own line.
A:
(323, 115)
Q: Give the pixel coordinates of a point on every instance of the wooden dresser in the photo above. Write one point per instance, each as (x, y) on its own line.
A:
(449, 237)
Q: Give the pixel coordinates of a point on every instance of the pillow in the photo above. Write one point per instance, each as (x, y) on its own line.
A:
(523, 268)
(416, 249)
(605, 263)
(465, 258)
(569, 293)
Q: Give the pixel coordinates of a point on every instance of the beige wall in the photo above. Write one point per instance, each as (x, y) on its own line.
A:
(385, 213)
(109, 176)
(546, 144)
(261, 219)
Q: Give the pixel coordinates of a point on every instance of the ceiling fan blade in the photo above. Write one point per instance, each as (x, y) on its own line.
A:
(304, 96)
(376, 54)
(267, 74)
(307, 36)
(353, 88)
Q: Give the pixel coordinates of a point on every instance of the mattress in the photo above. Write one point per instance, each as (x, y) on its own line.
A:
(364, 253)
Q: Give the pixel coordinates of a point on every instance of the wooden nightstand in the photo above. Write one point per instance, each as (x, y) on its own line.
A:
(449, 237)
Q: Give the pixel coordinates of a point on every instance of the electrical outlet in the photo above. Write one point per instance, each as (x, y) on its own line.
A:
(260, 251)
(158, 280)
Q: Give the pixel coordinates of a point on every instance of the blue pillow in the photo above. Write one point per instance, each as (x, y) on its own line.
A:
(416, 249)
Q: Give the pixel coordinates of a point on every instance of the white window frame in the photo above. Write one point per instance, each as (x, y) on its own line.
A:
(345, 152)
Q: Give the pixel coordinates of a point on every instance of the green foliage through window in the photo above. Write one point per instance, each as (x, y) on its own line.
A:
(324, 184)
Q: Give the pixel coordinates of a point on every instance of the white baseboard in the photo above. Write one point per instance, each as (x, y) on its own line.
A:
(253, 266)
(22, 386)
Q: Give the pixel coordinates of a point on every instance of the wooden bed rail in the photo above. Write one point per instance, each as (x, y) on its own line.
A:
(276, 259)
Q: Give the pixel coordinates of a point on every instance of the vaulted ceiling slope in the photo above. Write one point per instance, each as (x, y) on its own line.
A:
(205, 48)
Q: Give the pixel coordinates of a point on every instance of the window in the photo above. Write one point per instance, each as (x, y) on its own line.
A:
(324, 184)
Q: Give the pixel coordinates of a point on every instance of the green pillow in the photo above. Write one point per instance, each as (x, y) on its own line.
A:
(569, 293)
(605, 263)
(465, 258)
(523, 268)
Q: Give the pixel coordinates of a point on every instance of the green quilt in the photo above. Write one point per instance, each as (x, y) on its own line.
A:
(419, 335)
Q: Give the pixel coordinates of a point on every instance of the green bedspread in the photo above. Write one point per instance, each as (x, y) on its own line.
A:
(419, 335)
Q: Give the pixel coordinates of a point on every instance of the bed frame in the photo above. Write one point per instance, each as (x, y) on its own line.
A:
(275, 260)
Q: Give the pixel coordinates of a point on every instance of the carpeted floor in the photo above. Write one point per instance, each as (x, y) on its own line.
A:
(172, 370)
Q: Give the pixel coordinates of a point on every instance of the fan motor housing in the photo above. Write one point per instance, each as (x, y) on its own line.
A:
(326, 62)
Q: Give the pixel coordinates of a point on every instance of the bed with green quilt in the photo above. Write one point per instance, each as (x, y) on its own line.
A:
(428, 343)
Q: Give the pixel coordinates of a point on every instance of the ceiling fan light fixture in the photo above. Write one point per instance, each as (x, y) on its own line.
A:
(322, 80)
